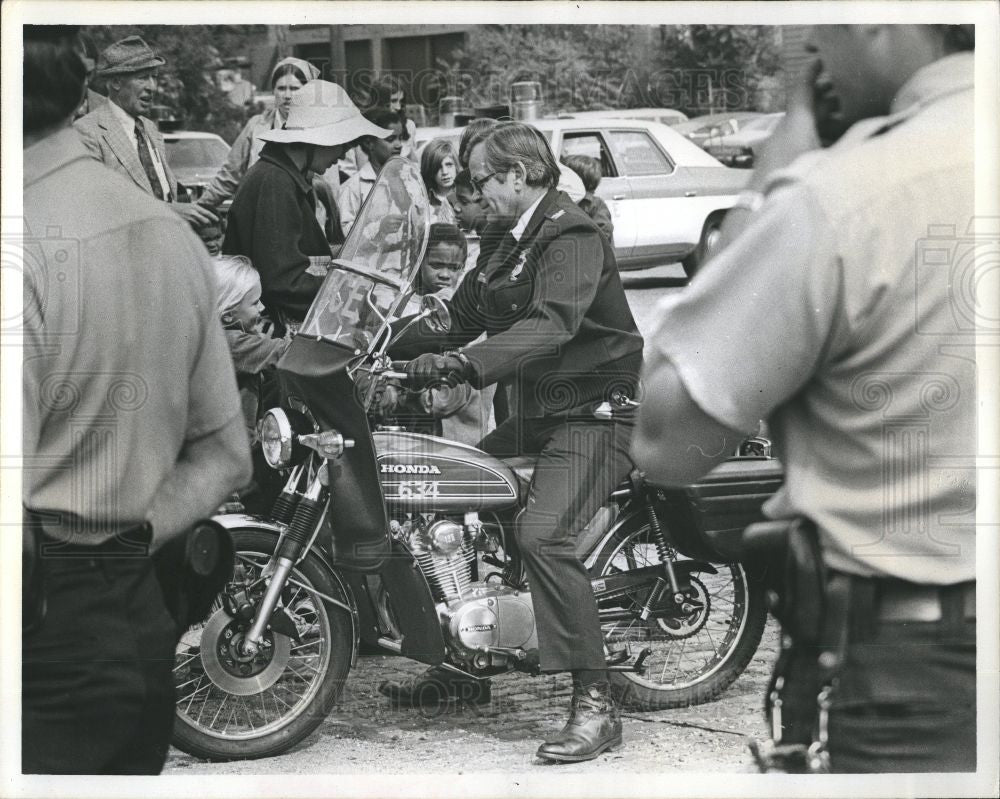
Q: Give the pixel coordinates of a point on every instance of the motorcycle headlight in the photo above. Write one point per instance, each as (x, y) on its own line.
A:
(279, 430)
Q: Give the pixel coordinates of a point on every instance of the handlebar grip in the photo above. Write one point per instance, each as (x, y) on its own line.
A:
(395, 375)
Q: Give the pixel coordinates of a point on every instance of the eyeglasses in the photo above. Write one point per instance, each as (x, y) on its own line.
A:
(480, 182)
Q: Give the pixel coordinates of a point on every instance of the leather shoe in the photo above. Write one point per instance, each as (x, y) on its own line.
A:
(437, 686)
(594, 726)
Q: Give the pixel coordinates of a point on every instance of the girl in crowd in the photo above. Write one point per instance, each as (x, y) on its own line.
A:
(438, 168)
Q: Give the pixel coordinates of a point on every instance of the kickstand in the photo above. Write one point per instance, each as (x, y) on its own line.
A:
(637, 666)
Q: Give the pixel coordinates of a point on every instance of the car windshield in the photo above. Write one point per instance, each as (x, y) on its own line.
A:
(762, 123)
(370, 278)
(207, 153)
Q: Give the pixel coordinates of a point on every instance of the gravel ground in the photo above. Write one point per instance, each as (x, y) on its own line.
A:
(358, 737)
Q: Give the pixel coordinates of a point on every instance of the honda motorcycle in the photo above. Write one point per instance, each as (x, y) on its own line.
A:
(403, 542)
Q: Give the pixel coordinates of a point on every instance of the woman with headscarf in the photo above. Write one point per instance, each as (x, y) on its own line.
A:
(273, 217)
(288, 76)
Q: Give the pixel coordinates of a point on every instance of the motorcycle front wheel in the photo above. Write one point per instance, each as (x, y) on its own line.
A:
(695, 656)
(231, 706)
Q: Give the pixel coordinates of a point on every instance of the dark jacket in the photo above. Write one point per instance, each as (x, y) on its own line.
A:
(560, 330)
(273, 222)
(594, 207)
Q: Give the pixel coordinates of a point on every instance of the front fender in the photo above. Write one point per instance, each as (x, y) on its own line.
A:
(234, 522)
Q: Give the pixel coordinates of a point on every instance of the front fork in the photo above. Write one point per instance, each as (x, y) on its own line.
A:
(305, 510)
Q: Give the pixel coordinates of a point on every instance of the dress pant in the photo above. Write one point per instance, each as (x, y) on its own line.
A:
(97, 675)
(580, 461)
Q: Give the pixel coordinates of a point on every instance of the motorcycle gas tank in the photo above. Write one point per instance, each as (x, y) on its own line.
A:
(425, 473)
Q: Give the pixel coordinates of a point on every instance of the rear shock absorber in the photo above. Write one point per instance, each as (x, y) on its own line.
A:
(284, 506)
(663, 549)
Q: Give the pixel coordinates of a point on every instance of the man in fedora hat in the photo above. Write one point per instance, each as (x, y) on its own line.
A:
(273, 217)
(119, 135)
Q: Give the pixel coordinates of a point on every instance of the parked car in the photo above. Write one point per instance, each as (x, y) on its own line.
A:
(712, 126)
(739, 149)
(667, 196)
(194, 158)
(665, 116)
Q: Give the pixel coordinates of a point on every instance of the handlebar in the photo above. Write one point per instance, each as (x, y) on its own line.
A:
(397, 370)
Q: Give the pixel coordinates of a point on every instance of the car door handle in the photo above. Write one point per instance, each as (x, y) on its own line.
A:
(690, 194)
(617, 196)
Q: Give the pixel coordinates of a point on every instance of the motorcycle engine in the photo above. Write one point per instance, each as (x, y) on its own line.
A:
(491, 617)
(443, 551)
(483, 622)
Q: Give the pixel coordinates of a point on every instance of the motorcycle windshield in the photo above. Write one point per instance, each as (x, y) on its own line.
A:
(364, 288)
(370, 278)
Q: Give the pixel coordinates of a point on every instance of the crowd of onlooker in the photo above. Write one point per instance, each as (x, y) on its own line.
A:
(300, 206)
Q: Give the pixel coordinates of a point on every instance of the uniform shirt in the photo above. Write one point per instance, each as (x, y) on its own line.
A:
(128, 123)
(124, 358)
(559, 328)
(837, 317)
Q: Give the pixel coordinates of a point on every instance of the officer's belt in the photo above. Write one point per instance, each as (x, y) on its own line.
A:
(902, 601)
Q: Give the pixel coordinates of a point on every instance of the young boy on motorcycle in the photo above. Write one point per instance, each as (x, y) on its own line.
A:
(459, 413)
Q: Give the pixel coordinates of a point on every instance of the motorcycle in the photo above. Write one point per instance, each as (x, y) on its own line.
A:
(403, 542)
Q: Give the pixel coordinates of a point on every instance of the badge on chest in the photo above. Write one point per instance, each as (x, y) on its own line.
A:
(519, 266)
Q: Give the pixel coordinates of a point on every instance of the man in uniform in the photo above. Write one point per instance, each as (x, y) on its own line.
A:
(132, 432)
(119, 136)
(831, 316)
(561, 334)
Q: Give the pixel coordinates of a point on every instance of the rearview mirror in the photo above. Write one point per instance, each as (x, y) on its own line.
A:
(436, 313)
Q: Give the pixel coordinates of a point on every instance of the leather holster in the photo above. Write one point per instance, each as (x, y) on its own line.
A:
(192, 569)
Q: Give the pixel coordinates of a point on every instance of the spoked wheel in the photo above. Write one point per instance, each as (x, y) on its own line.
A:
(235, 705)
(699, 648)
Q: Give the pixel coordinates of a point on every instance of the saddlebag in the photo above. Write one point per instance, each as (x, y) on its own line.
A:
(705, 520)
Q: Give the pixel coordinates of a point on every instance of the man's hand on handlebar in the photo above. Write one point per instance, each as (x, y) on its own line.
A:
(430, 369)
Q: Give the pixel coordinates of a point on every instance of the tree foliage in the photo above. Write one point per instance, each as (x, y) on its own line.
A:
(583, 67)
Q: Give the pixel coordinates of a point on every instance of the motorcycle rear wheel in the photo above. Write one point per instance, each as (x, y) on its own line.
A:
(233, 710)
(694, 659)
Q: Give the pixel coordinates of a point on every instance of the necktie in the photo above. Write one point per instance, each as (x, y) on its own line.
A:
(147, 161)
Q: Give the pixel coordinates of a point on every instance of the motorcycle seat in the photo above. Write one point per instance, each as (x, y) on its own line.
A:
(523, 467)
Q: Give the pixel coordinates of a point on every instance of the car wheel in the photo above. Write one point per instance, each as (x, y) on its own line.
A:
(707, 245)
